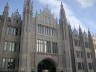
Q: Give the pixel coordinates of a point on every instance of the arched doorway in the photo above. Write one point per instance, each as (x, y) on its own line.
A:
(46, 65)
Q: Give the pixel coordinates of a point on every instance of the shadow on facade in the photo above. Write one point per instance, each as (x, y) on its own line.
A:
(47, 65)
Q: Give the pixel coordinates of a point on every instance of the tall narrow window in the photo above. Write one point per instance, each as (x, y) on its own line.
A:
(52, 32)
(79, 65)
(54, 47)
(48, 46)
(45, 30)
(37, 45)
(5, 46)
(12, 46)
(41, 43)
(40, 46)
(38, 28)
(45, 47)
(3, 62)
(11, 63)
(12, 31)
(90, 65)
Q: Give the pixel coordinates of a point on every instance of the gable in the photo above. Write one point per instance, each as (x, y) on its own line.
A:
(45, 17)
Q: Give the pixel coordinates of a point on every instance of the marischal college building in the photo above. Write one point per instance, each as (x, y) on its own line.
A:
(40, 44)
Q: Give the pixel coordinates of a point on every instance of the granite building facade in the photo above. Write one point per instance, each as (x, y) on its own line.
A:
(94, 42)
(40, 44)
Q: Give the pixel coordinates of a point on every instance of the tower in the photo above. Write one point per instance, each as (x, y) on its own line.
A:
(6, 9)
(27, 14)
(64, 32)
(4, 20)
(25, 52)
(71, 40)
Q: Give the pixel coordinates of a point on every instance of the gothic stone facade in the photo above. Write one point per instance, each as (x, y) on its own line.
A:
(94, 42)
(39, 44)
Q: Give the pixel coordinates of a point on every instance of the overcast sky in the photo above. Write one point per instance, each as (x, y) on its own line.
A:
(78, 12)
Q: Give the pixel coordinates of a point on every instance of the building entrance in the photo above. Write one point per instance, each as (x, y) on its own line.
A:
(46, 65)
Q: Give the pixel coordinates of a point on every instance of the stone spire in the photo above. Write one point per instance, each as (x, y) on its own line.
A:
(90, 38)
(28, 7)
(25, 59)
(80, 31)
(63, 21)
(62, 13)
(64, 37)
(27, 14)
(6, 9)
(80, 37)
(89, 34)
